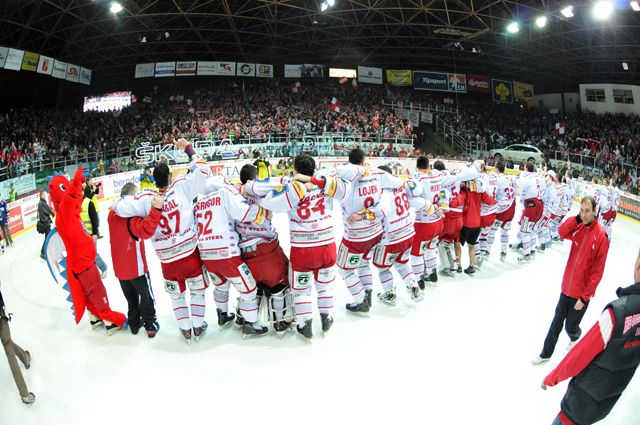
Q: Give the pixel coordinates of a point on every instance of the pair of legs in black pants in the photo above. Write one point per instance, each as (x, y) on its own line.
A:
(566, 315)
(141, 302)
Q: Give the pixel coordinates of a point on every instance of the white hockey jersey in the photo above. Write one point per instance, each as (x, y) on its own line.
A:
(559, 204)
(450, 182)
(395, 207)
(602, 199)
(505, 194)
(614, 198)
(365, 190)
(549, 196)
(253, 191)
(216, 214)
(176, 237)
(530, 185)
(310, 212)
(430, 186)
(490, 187)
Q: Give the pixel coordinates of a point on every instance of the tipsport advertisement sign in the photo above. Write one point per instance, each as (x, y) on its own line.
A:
(440, 81)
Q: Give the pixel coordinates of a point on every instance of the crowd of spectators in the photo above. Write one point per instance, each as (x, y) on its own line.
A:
(258, 112)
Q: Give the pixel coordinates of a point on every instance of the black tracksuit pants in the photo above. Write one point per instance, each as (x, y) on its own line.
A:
(141, 302)
(565, 315)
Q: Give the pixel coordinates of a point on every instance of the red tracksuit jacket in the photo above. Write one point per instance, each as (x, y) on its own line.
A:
(127, 243)
(471, 201)
(589, 248)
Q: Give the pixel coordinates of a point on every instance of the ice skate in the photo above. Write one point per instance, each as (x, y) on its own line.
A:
(416, 293)
(503, 255)
(306, 332)
(281, 327)
(112, 328)
(479, 260)
(327, 322)
(541, 248)
(388, 297)
(186, 333)
(524, 258)
(152, 329)
(239, 318)
(225, 318)
(367, 296)
(199, 331)
(360, 309)
(537, 360)
(516, 247)
(421, 283)
(29, 398)
(433, 278)
(253, 329)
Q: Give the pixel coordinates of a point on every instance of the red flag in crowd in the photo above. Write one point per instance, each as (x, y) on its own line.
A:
(134, 98)
(343, 80)
(297, 88)
(335, 105)
(559, 128)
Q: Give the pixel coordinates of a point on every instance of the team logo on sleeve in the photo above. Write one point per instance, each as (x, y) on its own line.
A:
(279, 190)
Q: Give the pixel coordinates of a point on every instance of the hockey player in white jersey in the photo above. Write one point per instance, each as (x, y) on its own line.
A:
(313, 250)
(362, 228)
(549, 198)
(530, 185)
(429, 224)
(394, 250)
(506, 209)
(261, 249)
(175, 240)
(614, 199)
(487, 215)
(216, 214)
(605, 208)
(558, 207)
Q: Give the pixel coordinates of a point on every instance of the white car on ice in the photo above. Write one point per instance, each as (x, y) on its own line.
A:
(518, 153)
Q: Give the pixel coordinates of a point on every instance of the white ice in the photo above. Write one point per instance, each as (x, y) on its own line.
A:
(462, 356)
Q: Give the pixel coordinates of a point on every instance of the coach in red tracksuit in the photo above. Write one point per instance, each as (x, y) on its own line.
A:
(470, 201)
(603, 363)
(130, 262)
(589, 248)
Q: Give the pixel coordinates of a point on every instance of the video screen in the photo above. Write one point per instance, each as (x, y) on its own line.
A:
(108, 102)
(341, 72)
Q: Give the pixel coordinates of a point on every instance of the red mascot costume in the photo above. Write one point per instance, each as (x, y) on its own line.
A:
(85, 285)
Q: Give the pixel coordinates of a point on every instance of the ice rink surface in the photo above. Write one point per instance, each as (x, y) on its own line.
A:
(462, 356)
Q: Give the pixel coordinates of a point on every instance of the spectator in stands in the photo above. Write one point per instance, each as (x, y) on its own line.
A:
(4, 223)
(99, 170)
(45, 214)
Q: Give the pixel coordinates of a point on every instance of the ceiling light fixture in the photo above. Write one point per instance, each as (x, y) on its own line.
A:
(513, 27)
(625, 66)
(324, 6)
(115, 7)
(635, 6)
(331, 3)
(567, 12)
(541, 21)
(602, 10)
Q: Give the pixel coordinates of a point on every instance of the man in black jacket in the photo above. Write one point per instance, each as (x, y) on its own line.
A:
(44, 219)
(13, 350)
(603, 363)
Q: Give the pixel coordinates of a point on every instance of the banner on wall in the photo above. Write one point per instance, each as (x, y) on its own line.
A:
(369, 75)
(3, 55)
(399, 77)
(30, 61)
(522, 91)
(478, 83)
(144, 70)
(73, 73)
(186, 69)
(264, 70)
(59, 69)
(45, 65)
(426, 80)
(85, 76)
(502, 91)
(23, 184)
(216, 68)
(457, 83)
(407, 114)
(14, 59)
(246, 69)
(305, 70)
(165, 69)
(629, 205)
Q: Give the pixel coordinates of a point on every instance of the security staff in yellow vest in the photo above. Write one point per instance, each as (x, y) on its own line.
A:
(91, 221)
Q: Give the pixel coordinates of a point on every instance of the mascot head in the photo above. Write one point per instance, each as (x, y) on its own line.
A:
(57, 189)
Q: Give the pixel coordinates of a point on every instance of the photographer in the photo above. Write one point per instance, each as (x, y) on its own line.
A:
(13, 350)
